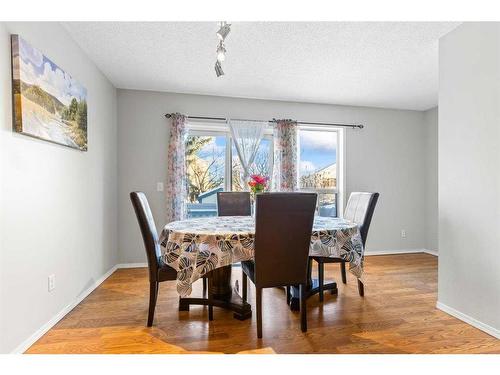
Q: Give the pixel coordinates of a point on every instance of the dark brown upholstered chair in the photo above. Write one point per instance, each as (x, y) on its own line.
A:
(282, 237)
(158, 270)
(359, 209)
(233, 204)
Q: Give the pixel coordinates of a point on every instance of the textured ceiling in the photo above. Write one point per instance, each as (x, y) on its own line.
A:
(380, 64)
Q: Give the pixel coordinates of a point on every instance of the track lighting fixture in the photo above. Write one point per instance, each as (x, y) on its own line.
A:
(224, 30)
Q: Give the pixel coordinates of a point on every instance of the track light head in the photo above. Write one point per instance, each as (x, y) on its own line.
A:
(224, 30)
(218, 69)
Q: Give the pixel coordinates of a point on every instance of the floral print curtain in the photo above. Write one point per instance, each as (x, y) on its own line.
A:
(285, 170)
(176, 169)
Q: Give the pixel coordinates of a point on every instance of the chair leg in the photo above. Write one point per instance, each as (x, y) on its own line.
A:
(309, 271)
(204, 286)
(210, 308)
(258, 299)
(288, 294)
(244, 286)
(303, 308)
(361, 288)
(321, 279)
(153, 294)
(342, 271)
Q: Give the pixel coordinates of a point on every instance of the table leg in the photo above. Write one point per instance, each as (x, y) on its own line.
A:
(220, 294)
(312, 289)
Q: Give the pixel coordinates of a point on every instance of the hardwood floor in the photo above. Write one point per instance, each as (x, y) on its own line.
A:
(397, 315)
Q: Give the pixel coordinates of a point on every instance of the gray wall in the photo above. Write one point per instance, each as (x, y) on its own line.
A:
(431, 178)
(387, 156)
(58, 206)
(469, 173)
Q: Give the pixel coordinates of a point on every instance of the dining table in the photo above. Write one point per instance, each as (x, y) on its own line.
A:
(209, 246)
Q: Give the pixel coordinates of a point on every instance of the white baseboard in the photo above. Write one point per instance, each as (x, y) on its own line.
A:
(431, 252)
(61, 314)
(400, 251)
(131, 265)
(469, 320)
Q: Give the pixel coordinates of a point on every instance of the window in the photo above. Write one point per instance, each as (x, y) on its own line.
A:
(205, 172)
(318, 167)
(212, 165)
(261, 165)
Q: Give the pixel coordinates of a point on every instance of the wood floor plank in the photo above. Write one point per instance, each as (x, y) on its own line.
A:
(397, 315)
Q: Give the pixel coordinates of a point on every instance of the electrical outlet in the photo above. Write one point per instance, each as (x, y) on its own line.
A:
(403, 233)
(52, 282)
(159, 186)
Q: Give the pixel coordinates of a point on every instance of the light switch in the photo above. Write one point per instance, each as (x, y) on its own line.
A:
(159, 186)
(52, 282)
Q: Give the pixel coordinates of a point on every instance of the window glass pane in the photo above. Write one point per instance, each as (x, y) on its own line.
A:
(318, 159)
(205, 163)
(261, 164)
(327, 205)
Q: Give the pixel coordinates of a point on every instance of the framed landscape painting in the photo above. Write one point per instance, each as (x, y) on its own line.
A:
(48, 103)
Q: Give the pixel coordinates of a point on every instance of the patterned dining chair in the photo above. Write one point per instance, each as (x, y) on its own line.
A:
(283, 227)
(158, 270)
(230, 203)
(359, 210)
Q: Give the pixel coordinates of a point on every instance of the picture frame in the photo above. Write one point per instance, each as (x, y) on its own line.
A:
(48, 103)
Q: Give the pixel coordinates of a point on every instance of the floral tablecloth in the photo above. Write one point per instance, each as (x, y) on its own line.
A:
(194, 247)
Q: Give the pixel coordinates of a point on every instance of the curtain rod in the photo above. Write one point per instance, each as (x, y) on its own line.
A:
(353, 126)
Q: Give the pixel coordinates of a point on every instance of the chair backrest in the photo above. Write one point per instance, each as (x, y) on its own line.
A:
(360, 209)
(148, 230)
(282, 238)
(233, 203)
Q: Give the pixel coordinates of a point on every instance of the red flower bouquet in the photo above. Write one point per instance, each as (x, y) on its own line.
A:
(257, 183)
